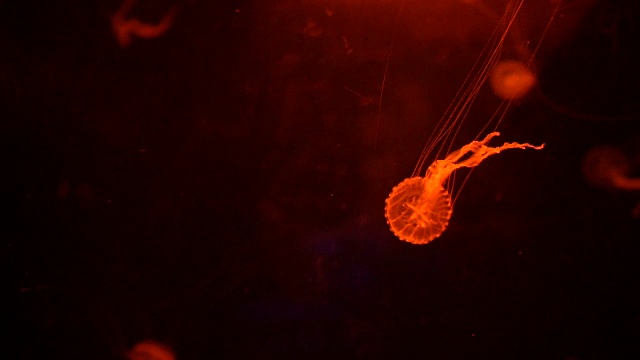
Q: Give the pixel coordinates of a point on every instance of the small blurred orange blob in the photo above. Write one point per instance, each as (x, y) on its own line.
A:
(150, 350)
(608, 166)
(511, 79)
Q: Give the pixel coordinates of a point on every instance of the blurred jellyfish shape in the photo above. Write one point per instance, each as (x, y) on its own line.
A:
(511, 79)
(608, 166)
(151, 350)
(123, 27)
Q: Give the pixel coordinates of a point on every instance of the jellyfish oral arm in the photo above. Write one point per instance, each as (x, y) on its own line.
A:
(440, 170)
(418, 215)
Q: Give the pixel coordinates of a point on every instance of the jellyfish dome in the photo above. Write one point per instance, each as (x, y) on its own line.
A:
(511, 79)
(418, 212)
(151, 350)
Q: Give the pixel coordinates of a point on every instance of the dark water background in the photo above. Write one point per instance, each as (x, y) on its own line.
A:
(221, 188)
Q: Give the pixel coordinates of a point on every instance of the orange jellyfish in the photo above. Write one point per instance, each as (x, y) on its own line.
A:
(608, 166)
(418, 209)
(511, 79)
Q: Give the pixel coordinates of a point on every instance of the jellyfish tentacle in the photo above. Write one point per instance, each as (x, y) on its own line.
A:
(440, 170)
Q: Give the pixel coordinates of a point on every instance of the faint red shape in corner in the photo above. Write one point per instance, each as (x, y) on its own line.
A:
(124, 28)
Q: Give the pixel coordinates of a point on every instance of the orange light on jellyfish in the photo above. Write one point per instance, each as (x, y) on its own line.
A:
(419, 208)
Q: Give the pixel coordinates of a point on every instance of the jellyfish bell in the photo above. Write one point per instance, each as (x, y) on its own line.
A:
(511, 79)
(418, 211)
(151, 350)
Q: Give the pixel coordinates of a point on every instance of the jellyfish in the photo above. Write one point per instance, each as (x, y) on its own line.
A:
(607, 166)
(419, 208)
(511, 79)
(124, 28)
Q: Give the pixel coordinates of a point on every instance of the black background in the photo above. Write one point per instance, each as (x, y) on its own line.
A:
(221, 188)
